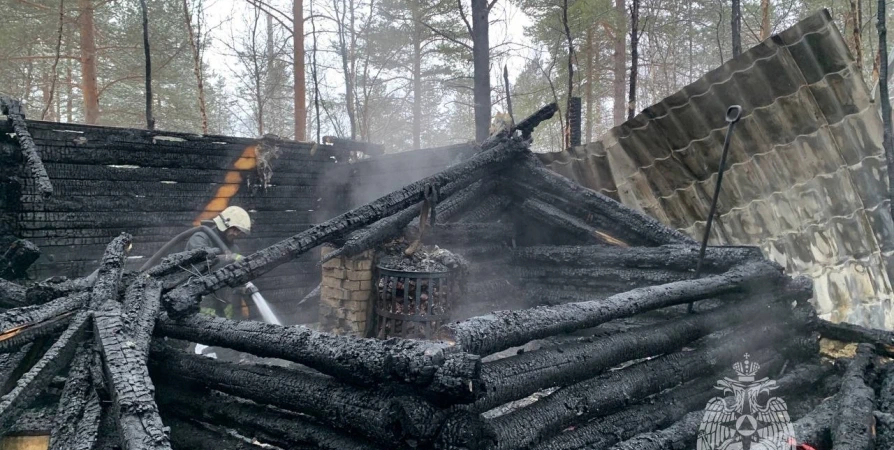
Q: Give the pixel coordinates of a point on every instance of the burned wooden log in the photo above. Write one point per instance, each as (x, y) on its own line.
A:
(607, 393)
(503, 329)
(487, 209)
(54, 288)
(621, 221)
(33, 164)
(847, 332)
(681, 434)
(527, 125)
(17, 259)
(12, 295)
(456, 204)
(467, 233)
(433, 367)
(268, 424)
(142, 303)
(885, 415)
(681, 258)
(105, 287)
(370, 412)
(522, 375)
(76, 422)
(187, 434)
(38, 377)
(552, 216)
(20, 326)
(176, 262)
(185, 299)
(596, 281)
(814, 429)
(853, 424)
(127, 379)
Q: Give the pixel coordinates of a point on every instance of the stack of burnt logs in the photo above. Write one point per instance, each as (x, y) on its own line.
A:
(101, 362)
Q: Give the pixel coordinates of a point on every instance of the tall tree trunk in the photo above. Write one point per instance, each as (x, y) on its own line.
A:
(481, 63)
(417, 74)
(88, 63)
(857, 21)
(620, 62)
(313, 70)
(886, 101)
(197, 65)
(570, 41)
(634, 52)
(736, 26)
(589, 92)
(345, 65)
(53, 73)
(69, 101)
(765, 19)
(150, 120)
(298, 67)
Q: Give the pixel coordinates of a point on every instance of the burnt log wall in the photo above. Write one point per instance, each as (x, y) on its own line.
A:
(155, 185)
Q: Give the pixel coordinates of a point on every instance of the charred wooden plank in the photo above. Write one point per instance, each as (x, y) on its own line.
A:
(142, 303)
(504, 329)
(17, 258)
(128, 381)
(814, 429)
(847, 332)
(557, 218)
(487, 209)
(38, 377)
(187, 434)
(676, 257)
(597, 280)
(18, 326)
(54, 288)
(456, 205)
(185, 299)
(623, 222)
(271, 425)
(434, 367)
(609, 392)
(522, 375)
(76, 421)
(527, 125)
(885, 416)
(679, 435)
(175, 262)
(369, 412)
(468, 233)
(33, 164)
(11, 366)
(853, 424)
(105, 287)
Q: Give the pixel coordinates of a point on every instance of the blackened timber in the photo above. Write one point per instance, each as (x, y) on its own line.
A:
(487, 209)
(277, 427)
(606, 279)
(142, 303)
(882, 339)
(885, 425)
(679, 435)
(12, 295)
(106, 285)
(370, 412)
(671, 257)
(814, 429)
(391, 227)
(185, 299)
(612, 391)
(11, 366)
(434, 367)
(76, 422)
(457, 204)
(175, 262)
(35, 380)
(527, 125)
(128, 381)
(853, 424)
(626, 220)
(187, 434)
(503, 329)
(468, 233)
(54, 288)
(33, 164)
(555, 217)
(17, 258)
(18, 326)
(522, 375)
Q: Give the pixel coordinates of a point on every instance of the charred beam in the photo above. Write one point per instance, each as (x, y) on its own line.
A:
(555, 217)
(187, 434)
(142, 303)
(527, 125)
(275, 426)
(12, 295)
(597, 280)
(175, 262)
(467, 233)
(433, 367)
(681, 258)
(185, 299)
(462, 200)
(853, 424)
(487, 209)
(519, 376)
(54, 288)
(814, 429)
(679, 435)
(128, 381)
(38, 377)
(847, 332)
(504, 329)
(33, 164)
(609, 392)
(76, 422)
(370, 412)
(17, 259)
(105, 288)
(23, 325)
(885, 425)
(626, 221)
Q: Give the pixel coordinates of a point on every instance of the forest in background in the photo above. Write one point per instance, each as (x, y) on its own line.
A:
(402, 73)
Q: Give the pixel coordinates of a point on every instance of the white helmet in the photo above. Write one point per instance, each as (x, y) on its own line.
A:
(233, 216)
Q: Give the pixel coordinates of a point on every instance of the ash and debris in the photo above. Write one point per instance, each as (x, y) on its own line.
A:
(429, 258)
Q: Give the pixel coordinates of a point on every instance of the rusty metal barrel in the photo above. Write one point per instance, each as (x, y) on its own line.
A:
(410, 305)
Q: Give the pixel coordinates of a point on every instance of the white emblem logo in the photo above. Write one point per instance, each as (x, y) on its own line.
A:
(739, 421)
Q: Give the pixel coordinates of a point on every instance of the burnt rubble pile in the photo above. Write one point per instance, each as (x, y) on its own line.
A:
(581, 340)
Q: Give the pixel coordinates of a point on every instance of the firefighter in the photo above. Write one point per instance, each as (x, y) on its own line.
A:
(230, 225)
